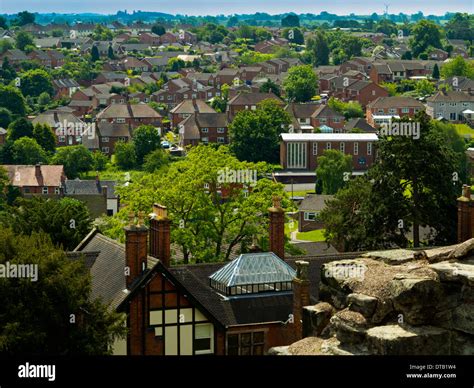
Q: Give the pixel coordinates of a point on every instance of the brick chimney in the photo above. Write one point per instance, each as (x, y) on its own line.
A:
(160, 234)
(136, 248)
(277, 228)
(39, 175)
(465, 219)
(301, 296)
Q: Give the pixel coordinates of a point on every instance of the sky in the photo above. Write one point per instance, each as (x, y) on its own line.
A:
(215, 7)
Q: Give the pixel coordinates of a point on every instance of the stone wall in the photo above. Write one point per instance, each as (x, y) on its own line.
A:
(396, 302)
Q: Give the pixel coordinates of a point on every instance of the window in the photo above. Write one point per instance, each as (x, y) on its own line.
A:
(185, 96)
(296, 155)
(122, 100)
(162, 98)
(315, 148)
(310, 216)
(62, 139)
(105, 150)
(205, 130)
(205, 140)
(221, 140)
(246, 344)
(328, 145)
(220, 130)
(336, 119)
(373, 92)
(105, 139)
(57, 190)
(253, 107)
(369, 148)
(392, 111)
(356, 148)
(203, 339)
(26, 190)
(45, 190)
(381, 111)
(122, 138)
(342, 146)
(120, 120)
(322, 120)
(70, 140)
(416, 110)
(170, 98)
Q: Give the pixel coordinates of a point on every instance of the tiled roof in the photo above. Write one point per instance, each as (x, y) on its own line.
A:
(314, 202)
(252, 98)
(25, 175)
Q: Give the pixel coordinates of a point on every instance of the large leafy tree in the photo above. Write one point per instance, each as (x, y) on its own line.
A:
(27, 151)
(67, 221)
(12, 99)
(458, 67)
(333, 170)
(20, 128)
(290, 20)
(318, 48)
(125, 155)
(301, 83)
(460, 26)
(45, 137)
(23, 40)
(255, 134)
(37, 81)
(75, 159)
(146, 139)
(425, 34)
(60, 317)
(211, 215)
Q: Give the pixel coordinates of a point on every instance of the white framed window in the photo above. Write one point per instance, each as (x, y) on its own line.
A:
(162, 98)
(105, 150)
(392, 111)
(70, 140)
(315, 148)
(57, 190)
(185, 96)
(296, 155)
(105, 139)
(62, 139)
(373, 92)
(205, 140)
(170, 98)
(405, 110)
(381, 111)
(369, 148)
(253, 107)
(221, 140)
(322, 120)
(328, 145)
(356, 148)
(220, 130)
(205, 130)
(44, 190)
(310, 216)
(204, 339)
(120, 120)
(342, 146)
(336, 119)
(122, 100)
(122, 138)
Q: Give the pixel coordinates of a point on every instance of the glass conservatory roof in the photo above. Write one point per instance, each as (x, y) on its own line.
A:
(253, 268)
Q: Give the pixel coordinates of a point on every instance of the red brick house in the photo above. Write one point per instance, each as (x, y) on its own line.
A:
(300, 151)
(204, 128)
(250, 101)
(308, 212)
(41, 180)
(384, 108)
(65, 87)
(183, 310)
(110, 133)
(132, 114)
(325, 116)
(187, 108)
(41, 57)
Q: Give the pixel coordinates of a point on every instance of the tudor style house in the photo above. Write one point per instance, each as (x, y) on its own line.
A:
(243, 307)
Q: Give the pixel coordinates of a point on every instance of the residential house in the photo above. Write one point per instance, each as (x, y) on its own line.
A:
(204, 128)
(15, 57)
(132, 114)
(110, 133)
(41, 57)
(47, 181)
(65, 87)
(301, 116)
(250, 101)
(327, 119)
(309, 210)
(454, 106)
(187, 108)
(384, 108)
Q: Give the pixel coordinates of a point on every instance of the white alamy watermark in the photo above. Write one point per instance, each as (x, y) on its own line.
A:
(69, 128)
(346, 271)
(229, 175)
(409, 129)
(21, 271)
(31, 371)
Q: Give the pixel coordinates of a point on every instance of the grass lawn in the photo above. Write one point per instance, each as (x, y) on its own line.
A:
(314, 236)
(301, 193)
(464, 130)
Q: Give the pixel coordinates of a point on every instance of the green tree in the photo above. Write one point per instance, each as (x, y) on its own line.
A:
(95, 55)
(3, 23)
(424, 88)
(5, 117)
(425, 34)
(256, 134)
(343, 216)
(125, 155)
(158, 29)
(110, 52)
(300, 84)
(63, 287)
(7, 72)
(23, 18)
(27, 151)
(270, 87)
(100, 160)
(458, 67)
(23, 39)
(20, 128)
(37, 81)
(75, 159)
(175, 64)
(334, 169)
(155, 160)
(290, 20)
(349, 109)
(435, 74)
(206, 227)
(460, 26)
(319, 49)
(12, 99)
(45, 137)
(294, 35)
(146, 139)
(44, 99)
